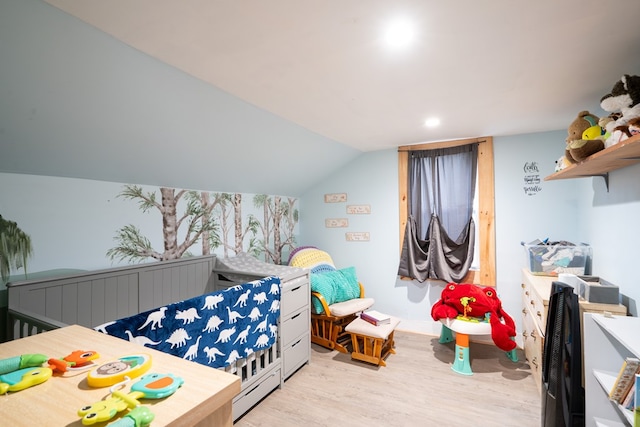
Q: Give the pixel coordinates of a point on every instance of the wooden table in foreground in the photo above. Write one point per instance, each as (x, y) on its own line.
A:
(205, 398)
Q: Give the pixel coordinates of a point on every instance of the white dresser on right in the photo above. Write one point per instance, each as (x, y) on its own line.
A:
(535, 305)
(608, 340)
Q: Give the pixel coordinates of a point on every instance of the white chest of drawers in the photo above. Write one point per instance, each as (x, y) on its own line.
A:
(295, 313)
(535, 305)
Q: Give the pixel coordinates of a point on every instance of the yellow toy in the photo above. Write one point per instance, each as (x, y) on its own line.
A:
(150, 386)
(115, 371)
(23, 378)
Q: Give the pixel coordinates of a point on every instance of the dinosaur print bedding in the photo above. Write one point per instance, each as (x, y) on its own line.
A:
(215, 329)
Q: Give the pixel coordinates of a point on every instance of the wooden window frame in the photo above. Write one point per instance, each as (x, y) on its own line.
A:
(486, 276)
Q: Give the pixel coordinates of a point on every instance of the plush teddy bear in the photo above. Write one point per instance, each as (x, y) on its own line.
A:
(624, 99)
(583, 137)
(468, 300)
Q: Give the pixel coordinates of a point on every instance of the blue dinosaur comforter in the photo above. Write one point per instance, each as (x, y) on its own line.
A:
(215, 329)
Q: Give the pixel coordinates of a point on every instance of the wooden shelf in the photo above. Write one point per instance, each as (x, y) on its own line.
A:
(608, 341)
(623, 154)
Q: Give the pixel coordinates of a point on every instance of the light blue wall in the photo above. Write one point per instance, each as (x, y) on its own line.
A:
(578, 210)
(371, 179)
(551, 212)
(611, 222)
(77, 103)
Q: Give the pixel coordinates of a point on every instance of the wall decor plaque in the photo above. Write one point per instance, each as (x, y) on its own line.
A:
(358, 209)
(335, 197)
(336, 222)
(357, 236)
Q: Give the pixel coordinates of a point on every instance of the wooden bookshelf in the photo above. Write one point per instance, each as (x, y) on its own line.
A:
(623, 154)
(608, 340)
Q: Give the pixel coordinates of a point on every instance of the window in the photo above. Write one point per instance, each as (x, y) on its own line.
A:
(486, 275)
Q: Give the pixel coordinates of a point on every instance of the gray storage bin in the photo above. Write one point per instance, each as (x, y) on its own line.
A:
(595, 289)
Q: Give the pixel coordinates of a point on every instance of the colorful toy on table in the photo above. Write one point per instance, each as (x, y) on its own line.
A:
(116, 371)
(19, 362)
(20, 372)
(150, 386)
(77, 360)
(23, 378)
(138, 417)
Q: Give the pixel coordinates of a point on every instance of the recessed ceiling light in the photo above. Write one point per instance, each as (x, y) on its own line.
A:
(399, 33)
(432, 122)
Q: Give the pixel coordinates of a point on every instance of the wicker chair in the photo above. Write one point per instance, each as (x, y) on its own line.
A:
(328, 318)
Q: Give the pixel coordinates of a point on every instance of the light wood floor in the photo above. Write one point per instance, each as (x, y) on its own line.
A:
(416, 388)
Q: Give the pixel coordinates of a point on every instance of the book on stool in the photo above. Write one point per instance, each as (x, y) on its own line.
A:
(375, 317)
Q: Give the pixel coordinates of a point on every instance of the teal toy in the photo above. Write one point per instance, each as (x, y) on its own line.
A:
(19, 362)
(150, 386)
(140, 416)
(23, 378)
(157, 386)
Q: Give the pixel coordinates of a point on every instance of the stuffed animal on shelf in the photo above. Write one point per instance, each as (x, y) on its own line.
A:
(624, 100)
(584, 137)
(604, 124)
(634, 126)
(468, 300)
(561, 163)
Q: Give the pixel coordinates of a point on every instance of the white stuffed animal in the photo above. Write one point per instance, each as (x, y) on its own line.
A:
(625, 99)
(562, 163)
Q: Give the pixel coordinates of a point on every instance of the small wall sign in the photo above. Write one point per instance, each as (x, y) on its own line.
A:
(357, 236)
(336, 222)
(335, 197)
(531, 179)
(358, 209)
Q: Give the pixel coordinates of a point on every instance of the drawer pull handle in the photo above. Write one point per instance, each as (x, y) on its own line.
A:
(534, 362)
(296, 343)
(523, 285)
(293, 317)
(524, 311)
(254, 389)
(295, 289)
(532, 302)
(524, 334)
(526, 293)
(539, 314)
(533, 335)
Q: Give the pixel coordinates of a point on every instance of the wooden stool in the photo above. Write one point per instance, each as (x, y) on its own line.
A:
(372, 343)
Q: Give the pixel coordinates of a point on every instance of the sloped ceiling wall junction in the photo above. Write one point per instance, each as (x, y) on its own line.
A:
(75, 102)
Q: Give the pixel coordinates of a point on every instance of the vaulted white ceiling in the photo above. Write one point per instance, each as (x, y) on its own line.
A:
(494, 67)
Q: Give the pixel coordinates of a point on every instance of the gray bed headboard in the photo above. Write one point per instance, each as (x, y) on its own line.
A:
(95, 297)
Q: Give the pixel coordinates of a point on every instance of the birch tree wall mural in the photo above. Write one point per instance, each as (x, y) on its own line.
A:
(15, 248)
(278, 222)
(215, 220)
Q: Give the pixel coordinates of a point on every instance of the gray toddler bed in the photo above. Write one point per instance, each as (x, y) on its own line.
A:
(121, 301)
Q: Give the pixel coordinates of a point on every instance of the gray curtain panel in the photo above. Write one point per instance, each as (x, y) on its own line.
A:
(442, 186)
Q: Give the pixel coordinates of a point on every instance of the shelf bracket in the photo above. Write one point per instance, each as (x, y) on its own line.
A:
(605, 176)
